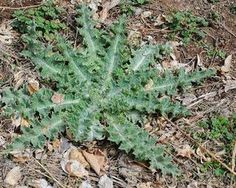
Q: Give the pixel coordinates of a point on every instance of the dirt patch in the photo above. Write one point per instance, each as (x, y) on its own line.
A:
(8, 7)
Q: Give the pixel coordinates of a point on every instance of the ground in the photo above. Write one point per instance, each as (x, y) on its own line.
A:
(211, 99)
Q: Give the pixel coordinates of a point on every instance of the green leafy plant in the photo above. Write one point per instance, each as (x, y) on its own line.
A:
(214, 16)
(186, 26)
(128, 7)
(215, 166)
(97, 92)
(212, 52)
(135, 2)
(213, 1)
(139, 1)
(233, 9)
(45, 20)
(219, 133)
(220, 128)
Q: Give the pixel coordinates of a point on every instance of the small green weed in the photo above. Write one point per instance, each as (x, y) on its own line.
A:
(45, 20)
(218, 130)
(186, 26)
(140, 2)
(213, 52)
(213, 1)
(128, 7)
(233, 9)
(137, 2)
(214, 16)
(213, 165)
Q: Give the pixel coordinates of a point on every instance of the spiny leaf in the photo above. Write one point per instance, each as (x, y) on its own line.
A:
(112, 57)
(35, 135)
(146, 55)
(88, 31)
(132, 138)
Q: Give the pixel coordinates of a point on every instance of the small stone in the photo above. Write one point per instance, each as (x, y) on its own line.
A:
(13, 176)
(138, 11)
(85, 184)
(146, 14)
(105, 182)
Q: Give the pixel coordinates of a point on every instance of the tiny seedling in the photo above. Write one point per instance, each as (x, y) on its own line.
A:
(233, 9)
(220, 128)
(214, 16)
(128, 7)
(214, 166)
(186, 26)
(213, 52)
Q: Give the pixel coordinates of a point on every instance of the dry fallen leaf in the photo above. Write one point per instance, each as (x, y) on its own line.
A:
(75, 154)
(149, 85)
(227, 64)
(129, 171)
(166, 64)
(148, 126)
(19, 78)
(13, 176)
(21, 156)
(56, 143)
(57, 98)
(200, 153)
(106, 7)
(16, 121)
(33, 86)
(185, 151)
(97, 160)
(24, 123)
(71, 165)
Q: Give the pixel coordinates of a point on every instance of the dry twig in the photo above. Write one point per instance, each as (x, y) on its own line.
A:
(18, 8)
(233, 157)
(227, 29)
(49, 173)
